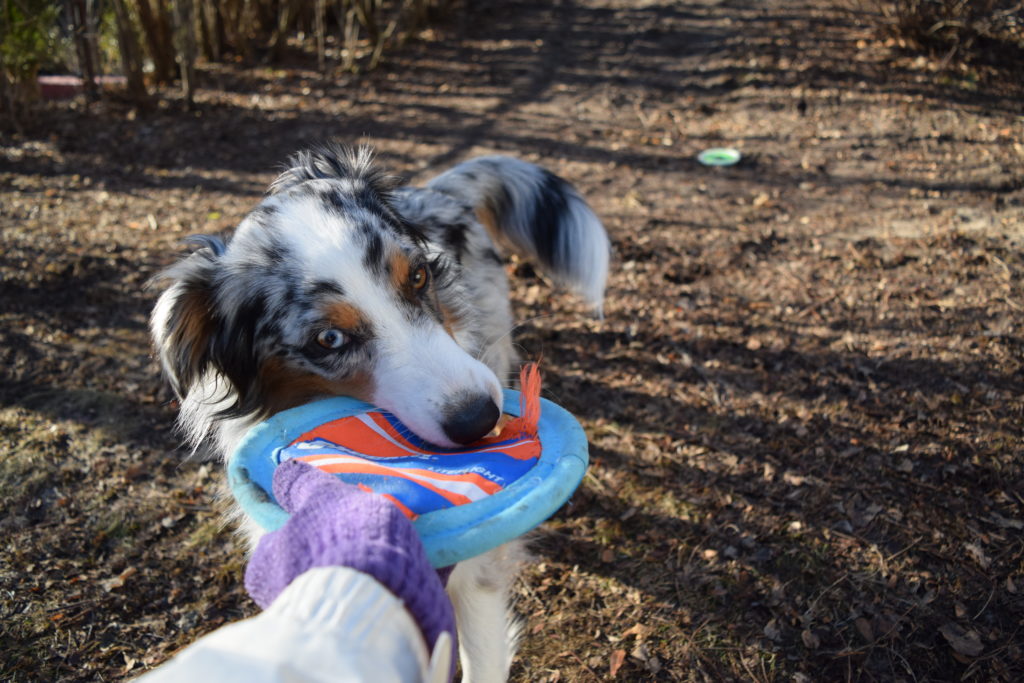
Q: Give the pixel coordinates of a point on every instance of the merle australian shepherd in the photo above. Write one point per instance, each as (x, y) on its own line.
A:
(342, 283)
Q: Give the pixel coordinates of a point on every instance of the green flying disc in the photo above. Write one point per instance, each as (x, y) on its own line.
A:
(719, 156)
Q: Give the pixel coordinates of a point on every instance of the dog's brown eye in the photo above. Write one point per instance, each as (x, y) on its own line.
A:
(331, 339)
(419, 278)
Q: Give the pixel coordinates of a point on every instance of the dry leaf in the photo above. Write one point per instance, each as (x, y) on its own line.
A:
(963, 642)
(1006, 523)
(117, 581)
(638, 630)
(793, 479)
(978, 554)
(615, 662)
(811, 641)
(887, 625)
(864, 629)
(169, 521)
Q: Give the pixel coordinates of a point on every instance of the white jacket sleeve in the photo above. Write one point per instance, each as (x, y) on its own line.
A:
(329, 624)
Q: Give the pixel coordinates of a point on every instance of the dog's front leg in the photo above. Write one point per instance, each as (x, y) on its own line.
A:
(480, 590)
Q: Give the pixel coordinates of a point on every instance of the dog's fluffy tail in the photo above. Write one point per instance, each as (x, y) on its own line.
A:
(540, 214)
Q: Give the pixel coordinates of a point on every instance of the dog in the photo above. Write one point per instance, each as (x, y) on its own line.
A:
(341, 282)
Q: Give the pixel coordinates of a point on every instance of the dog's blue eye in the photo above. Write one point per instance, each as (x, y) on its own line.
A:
(331, 339)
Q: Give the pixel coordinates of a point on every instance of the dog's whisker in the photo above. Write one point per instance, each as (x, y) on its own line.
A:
(493, 345)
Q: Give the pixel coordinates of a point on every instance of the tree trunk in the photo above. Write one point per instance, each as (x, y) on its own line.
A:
(367, 12)
(286, 13)
(320, 22)
(185, 44)
(220, 40)
(205, 34)
(128, 45)
(158, 39)
(8, 100)
(349, 34)
(241, 26)
(81, 19)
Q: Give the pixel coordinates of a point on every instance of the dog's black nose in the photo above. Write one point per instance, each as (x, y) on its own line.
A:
(471, 419)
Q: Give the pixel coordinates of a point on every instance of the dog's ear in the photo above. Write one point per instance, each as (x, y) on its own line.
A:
(184, 322)
(200, 324)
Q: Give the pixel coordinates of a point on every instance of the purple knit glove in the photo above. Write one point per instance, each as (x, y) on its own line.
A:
(336, 524)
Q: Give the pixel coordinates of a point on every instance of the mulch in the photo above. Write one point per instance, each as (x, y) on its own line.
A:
(803, 402)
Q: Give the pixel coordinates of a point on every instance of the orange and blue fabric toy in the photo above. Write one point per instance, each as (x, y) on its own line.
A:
(462, 501)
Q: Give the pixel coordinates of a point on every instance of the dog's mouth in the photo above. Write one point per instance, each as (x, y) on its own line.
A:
(459, 418)
(434, 387)
(463, 420)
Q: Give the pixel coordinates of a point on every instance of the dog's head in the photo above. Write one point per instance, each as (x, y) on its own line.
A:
(325, 290)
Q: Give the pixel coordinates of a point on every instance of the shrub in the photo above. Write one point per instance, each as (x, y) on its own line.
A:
(166, 37)
(966, 30)
(29, 41)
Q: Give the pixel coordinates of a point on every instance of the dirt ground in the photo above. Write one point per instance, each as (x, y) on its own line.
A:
(805, 402)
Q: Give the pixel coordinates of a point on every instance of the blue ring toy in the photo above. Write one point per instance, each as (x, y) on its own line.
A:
(449, 535)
